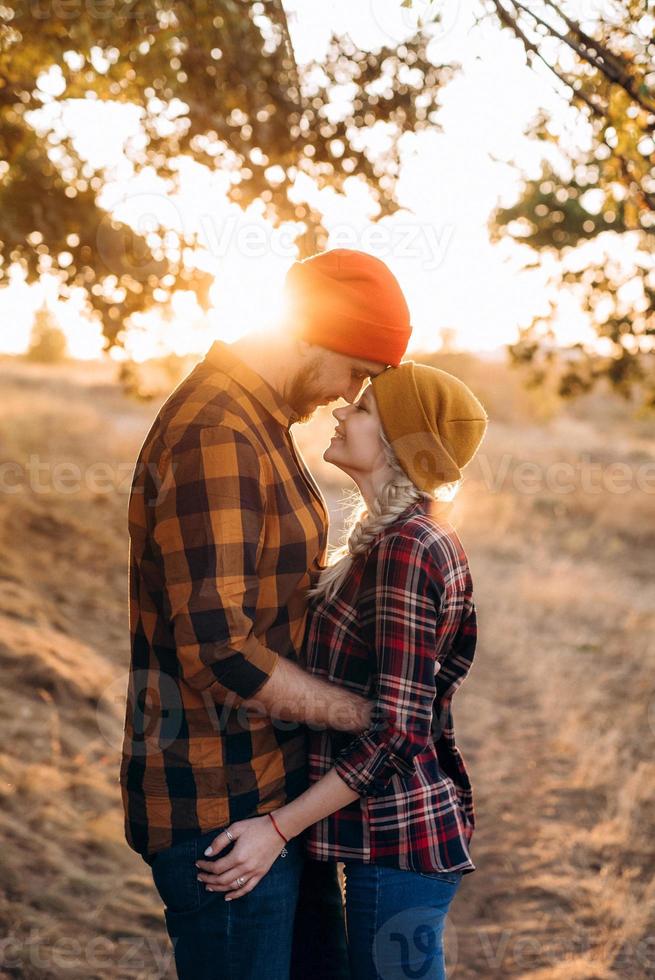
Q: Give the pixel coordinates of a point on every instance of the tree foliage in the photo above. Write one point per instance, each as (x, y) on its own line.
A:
(215, 81)
(602, 182)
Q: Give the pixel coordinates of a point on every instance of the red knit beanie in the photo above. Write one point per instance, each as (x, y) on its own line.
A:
(349, 302)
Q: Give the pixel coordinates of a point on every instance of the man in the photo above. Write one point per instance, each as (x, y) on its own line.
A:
(227, 530)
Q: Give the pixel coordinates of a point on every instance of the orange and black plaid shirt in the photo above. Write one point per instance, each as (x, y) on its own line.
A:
(227, 529)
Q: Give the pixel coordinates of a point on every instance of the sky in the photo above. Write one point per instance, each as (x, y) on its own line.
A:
(437, 245)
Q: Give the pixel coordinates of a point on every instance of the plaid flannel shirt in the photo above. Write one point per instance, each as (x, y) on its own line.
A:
(401, 630)
(227, 528)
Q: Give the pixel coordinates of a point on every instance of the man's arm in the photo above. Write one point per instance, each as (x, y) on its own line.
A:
(293, 694)
(209, 531)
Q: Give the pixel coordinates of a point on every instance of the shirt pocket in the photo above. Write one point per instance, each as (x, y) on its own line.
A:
(450, 877)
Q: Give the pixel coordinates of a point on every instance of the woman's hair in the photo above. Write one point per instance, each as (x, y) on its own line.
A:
(394, 497)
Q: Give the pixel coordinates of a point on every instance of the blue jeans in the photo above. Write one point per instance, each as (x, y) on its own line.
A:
(249, 938)
(395, 921)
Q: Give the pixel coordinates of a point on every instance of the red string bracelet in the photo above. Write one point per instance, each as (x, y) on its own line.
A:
(278, 829)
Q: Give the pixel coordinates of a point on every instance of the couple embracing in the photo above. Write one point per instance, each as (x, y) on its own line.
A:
(285, 714)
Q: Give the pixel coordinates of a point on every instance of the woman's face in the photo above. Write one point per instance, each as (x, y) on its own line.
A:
(356, 447)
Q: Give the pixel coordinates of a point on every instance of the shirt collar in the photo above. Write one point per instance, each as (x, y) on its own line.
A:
(221, 357)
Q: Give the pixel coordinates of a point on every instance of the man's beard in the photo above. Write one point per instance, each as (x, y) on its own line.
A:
(303, 393)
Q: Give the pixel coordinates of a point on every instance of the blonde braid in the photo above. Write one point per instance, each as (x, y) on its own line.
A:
(394, 497)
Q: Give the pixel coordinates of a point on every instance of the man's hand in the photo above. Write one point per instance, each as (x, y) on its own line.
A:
(293, 694)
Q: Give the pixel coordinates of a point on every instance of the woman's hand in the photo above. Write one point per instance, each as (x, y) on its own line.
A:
(257, 845)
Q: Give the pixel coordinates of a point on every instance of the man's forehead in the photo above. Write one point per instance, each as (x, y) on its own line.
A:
(371, 367)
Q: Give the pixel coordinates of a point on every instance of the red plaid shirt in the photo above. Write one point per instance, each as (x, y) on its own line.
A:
(401, 630)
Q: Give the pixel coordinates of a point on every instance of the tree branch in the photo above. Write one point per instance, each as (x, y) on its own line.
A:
(608, 64)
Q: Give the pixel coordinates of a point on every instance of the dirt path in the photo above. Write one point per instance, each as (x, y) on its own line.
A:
(533, 908)
(502, 922)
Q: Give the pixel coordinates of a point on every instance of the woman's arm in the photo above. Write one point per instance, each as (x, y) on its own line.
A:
(258, 843)
(324, 797)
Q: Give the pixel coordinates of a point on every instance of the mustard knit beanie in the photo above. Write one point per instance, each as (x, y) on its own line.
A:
(433, 421)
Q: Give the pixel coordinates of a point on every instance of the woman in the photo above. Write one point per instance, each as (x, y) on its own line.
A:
(392, 618)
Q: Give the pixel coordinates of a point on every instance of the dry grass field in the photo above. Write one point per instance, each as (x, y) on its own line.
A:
(556, 720)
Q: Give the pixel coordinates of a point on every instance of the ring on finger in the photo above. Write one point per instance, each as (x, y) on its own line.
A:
(229, 835)
(239, 882)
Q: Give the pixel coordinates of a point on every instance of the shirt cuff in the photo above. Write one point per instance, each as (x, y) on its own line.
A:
(367, 764)
(240, 675)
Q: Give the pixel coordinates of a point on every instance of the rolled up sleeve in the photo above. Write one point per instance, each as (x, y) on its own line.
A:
(209, 531)
(399, 606)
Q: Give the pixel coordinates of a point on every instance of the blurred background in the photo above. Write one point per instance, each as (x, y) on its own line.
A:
(161, 166)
